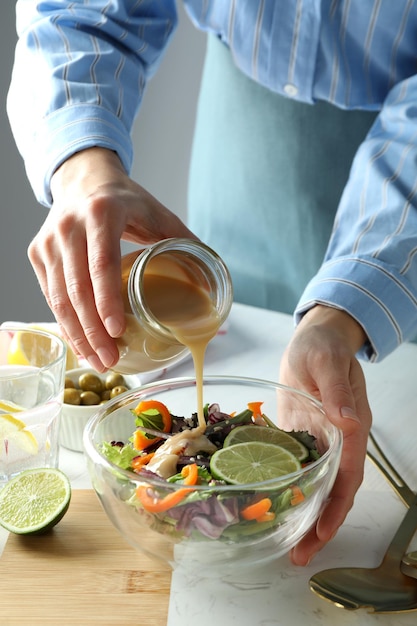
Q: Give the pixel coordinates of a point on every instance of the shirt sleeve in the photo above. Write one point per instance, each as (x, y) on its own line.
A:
(79, 75)
(370, 268)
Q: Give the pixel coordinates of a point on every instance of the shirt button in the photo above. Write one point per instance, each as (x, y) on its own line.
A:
(290, 90)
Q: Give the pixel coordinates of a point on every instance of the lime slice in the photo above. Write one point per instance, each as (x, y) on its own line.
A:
(34, 501)
(252, 462)
(248, 432)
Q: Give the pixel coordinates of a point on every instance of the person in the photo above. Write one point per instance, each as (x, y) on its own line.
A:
(302, 178)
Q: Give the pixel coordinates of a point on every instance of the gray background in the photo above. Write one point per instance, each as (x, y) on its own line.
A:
(162, 137)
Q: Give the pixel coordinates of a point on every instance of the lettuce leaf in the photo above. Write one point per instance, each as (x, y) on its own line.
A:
(121, 456)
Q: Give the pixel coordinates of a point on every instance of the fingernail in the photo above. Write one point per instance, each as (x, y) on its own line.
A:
(113, 326)
(106, 357)
(349, 413)
(95, 362)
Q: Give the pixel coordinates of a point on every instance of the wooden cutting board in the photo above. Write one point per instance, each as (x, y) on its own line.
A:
(82, 573)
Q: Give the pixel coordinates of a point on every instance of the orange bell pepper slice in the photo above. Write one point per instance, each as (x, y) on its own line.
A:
(159, 407)
(297, 495)
(141, 441)
(139, 461)
(257, 510)
(255, 407)
(153, 504)
(190, 474)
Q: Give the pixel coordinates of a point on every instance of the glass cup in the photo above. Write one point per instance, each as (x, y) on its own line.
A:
(32, 375)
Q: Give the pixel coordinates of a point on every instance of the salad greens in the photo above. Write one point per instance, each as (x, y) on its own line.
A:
(167, 451)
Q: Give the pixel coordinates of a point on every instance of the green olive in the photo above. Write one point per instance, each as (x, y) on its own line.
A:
(69, 383)
(89, 398)
(114, 380)
(90, 382)
(72, 396)
(105, 395)
(116, 391)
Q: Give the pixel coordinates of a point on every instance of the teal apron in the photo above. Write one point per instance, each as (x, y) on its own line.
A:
(265, 181)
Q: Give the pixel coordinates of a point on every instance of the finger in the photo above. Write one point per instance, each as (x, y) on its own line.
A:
(81, 320)
(46, 260)
(331, 518)
(341, 499)
(51, 278)
(39, 268)
(304, 551)
(104, 262)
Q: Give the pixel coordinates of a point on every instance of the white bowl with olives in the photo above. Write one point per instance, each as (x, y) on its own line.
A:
(85, 390)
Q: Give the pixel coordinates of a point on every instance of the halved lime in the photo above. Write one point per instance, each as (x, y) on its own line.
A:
(251, 432)
(34, 501)
(252, 462)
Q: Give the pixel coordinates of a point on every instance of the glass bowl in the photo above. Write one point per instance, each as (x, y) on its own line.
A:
(206, 529)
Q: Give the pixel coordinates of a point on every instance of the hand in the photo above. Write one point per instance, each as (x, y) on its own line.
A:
(320, 360)
(76, 254)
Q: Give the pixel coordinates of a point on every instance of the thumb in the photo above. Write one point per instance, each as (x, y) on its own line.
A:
(345, 401)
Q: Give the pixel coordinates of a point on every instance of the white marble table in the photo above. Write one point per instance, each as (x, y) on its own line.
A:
(278, 594)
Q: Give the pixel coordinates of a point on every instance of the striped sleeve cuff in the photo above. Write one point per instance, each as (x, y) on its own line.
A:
(374, 294)
(70, 130)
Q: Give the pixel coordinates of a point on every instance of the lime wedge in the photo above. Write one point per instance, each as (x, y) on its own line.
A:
(250, 432)
(34, 501)
(252, 462)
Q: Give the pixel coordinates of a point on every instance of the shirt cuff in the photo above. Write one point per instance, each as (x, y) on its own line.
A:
(374, 294)
(70, 130)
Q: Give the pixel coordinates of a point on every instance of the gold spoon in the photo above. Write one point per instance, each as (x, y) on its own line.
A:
(409, 561)
(384, 589)
(409, 564)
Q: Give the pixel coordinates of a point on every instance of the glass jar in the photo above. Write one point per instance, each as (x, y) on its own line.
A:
(148, 344)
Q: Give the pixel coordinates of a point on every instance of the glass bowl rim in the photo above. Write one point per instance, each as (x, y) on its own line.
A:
(97, 457)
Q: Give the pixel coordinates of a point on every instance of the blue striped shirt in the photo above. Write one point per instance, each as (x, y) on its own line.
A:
(81, 68)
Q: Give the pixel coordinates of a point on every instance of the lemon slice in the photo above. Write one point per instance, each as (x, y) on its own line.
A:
(14, 430)
(24, 350)
(9, 425)
(16, 355)
(252, 462)
(25, 441)
(34, 501)
(250, 432)
(8, 405)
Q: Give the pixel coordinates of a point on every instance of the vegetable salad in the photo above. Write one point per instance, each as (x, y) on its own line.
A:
(176, 462)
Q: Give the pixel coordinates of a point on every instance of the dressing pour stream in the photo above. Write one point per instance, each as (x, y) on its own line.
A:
(188, 312)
